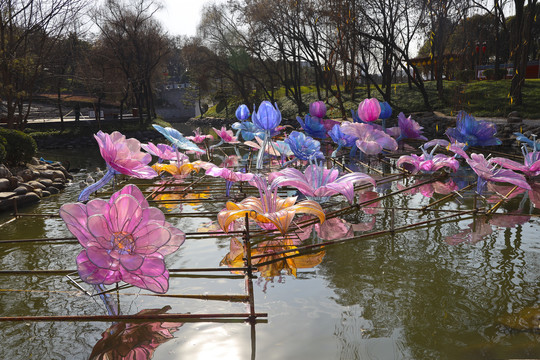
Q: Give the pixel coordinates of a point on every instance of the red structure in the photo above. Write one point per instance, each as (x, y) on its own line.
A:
(532, 71)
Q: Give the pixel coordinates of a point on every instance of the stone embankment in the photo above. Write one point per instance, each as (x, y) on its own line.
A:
(25, 185)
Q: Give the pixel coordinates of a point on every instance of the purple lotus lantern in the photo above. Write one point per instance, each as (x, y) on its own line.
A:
(268, 119)
(317, 109)
(242, 113)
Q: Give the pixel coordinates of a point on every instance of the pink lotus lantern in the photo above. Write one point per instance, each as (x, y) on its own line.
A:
(124, 239)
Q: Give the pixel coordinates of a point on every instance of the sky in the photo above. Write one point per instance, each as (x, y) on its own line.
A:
(181, 17)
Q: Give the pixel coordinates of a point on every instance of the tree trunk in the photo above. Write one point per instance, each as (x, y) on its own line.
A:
(522, 38)
(497, 44)
(59, 99)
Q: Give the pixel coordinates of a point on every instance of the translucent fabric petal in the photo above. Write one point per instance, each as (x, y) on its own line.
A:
(242, 112)
(150, 238)
(133, 191)
(75, 217)
(369, 110)
(226, 135)
(317, 181)
(228, 174)
(409, 163)
(317, 109)
(98, 226)
(97, 206)
(368, 139)
(177, 139)
(369, 147)
(131, 262)
(226, 217)
(158, 284)
(511, 177)
(356, 177)
(124, 155)
(309, 207)
(409, 128)
(281, 219)
(345, 189)
(153, 266)
(267, 116)
(162, 151)
(92, 274)
(100, 257)
(283, 203)
(125, 214)
(441, 160)
(509, 164)
(152, 214)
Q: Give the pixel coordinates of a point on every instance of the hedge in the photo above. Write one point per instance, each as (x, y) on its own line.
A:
(20, 147)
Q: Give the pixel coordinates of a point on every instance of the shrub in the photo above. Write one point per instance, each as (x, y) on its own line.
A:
(159, 121)
(3, 153)
(465, 75)
(20, 147)
(492, 75)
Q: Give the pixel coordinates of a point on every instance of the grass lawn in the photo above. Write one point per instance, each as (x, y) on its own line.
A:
(480, 98)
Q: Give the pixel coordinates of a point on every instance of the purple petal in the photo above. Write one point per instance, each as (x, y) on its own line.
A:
(509, 164)
(370, 148)
(99, 227)
(75, 217)
(125, 214)
(345, 189)
(512, 178)
(131, 262)
(150, 238)
(92, 274)
(158, 284)
(100, 257)
(153, 266)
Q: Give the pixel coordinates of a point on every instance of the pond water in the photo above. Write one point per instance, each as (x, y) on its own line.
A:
(407, 295)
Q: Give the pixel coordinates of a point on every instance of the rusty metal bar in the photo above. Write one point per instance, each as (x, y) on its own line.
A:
(367, 235)
(67, 271)
(130, 318)
(449, 196)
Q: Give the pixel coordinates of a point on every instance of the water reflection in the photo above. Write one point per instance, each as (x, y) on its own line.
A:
(481, 227)
(407, 296)
(269, 261)
(506, 192)
(426, 299)
(429, 189)
(134, 340)
(285, 255)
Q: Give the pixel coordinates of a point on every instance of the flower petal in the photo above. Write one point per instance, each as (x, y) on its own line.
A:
(125, 214)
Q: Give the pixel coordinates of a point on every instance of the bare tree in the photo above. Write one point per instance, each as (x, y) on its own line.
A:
(444, 16)
(139, 45)
(28, 32)
(521, 40)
